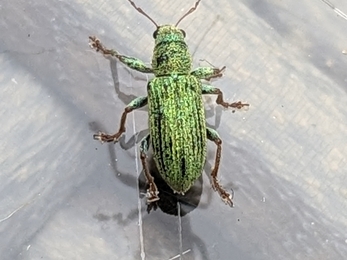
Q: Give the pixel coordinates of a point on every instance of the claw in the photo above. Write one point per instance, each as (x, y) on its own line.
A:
(94, 43)
(238, 105)
(152, 193)
(227, 199)
(102, 137)
(152, 196)
(218, 73)
(98, 137)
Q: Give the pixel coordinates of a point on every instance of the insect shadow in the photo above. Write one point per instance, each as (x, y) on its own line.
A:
(168, 200)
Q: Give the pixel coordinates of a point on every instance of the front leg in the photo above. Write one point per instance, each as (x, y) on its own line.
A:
(208, 73)
(131, 62)
(208, 89)
(135, 104)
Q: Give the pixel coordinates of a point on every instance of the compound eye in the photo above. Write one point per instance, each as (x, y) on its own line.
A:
(183, 32)
(155, 34)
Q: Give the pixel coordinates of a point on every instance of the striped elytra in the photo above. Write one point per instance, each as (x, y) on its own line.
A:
(177, 129)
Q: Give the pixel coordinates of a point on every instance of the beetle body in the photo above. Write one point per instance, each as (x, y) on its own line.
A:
(176, 111)
(178, 131)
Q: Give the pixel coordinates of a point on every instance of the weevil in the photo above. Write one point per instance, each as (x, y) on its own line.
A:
(177, 128)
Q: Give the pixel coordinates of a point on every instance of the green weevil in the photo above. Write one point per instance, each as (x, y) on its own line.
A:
(177, 128)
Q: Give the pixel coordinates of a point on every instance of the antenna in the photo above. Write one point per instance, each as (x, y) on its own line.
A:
(142, 12)
(189, 12)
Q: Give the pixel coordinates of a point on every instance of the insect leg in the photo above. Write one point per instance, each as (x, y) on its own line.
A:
(208, 89)
(225, 196)
(131, 62)
(207, 73)
(135, 104)
(152, 191)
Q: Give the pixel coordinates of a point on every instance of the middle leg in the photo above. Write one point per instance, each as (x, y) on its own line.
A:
(208, 89)
(135, 104)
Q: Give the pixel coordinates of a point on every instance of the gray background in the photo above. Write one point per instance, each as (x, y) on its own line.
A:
(66, 196)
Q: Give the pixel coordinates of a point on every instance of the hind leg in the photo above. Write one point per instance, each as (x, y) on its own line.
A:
(152, 191)
(225, 196)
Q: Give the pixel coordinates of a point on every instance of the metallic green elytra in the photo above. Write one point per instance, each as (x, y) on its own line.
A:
(178, 131)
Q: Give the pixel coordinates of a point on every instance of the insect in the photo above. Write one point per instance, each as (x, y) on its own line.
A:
(177, 129)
